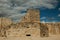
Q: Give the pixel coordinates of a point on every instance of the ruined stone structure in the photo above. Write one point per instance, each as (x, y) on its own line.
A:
(32, 15)
(44, 30)
(4, 23)
(54, 28)
(29, 26)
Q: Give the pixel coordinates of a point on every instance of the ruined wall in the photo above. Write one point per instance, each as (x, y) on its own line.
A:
(54, 28)
(29, 25)
(23, 30)
(44, 30)
(4, 24)
(33, 15)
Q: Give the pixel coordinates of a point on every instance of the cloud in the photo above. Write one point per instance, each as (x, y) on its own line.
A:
(13, 8)
(42, 3)
(43, 18)
(59, 15)
(17, 17)
(42, 21)
(48, 19)
(59, 9)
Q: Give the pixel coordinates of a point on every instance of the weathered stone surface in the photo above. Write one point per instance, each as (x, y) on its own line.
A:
(30, 24)
(32, 16)
(4, 24)
(44, 31)
(54, 28)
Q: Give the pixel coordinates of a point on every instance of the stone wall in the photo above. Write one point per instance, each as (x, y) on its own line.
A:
(23, 30)
(44, 31)
(54, 28)
(32, 15)
(4, 25)
(29, 25)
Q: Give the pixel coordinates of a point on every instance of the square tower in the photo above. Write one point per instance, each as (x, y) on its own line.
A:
(33, 15)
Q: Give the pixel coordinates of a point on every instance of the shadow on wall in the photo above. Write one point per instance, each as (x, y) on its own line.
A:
(44, 31)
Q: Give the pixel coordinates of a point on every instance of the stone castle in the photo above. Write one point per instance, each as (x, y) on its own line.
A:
(29, 26)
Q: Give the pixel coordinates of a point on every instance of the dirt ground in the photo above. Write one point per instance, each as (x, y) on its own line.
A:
(54, 37)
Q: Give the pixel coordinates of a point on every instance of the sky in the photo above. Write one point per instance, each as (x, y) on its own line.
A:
(16, 9)
(51, 15)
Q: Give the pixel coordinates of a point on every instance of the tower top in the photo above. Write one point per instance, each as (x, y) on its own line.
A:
(32, 15)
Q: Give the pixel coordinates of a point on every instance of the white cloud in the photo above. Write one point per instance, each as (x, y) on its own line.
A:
(13, 7)
(43, 18)
(59, 15)
(59, 9)
(43, 21)
(42, 3)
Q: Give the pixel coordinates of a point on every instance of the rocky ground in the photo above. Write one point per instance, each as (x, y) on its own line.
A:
(54, 37)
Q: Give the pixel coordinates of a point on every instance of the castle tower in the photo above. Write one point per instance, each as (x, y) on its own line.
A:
(31, 21)
(33, 15)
